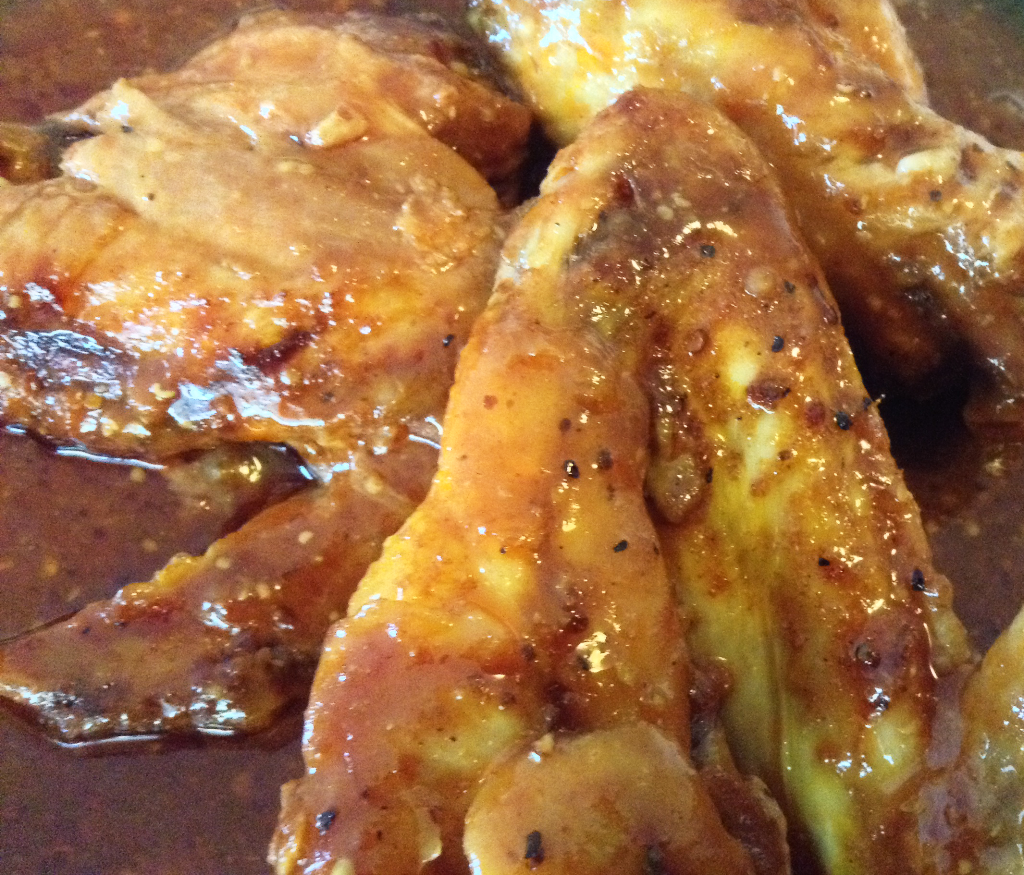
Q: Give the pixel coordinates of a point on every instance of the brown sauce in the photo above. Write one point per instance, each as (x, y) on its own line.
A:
(72, 530)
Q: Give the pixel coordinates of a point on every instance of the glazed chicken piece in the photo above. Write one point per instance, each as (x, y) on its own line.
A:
(797, 552)
(973, 813)
(275, 243)
(249, 251)
(519, 631)
(918, 223)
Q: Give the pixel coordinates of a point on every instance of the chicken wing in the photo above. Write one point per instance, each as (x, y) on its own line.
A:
(273, 243)
(527, 594)
(796, 551)
(918, 223)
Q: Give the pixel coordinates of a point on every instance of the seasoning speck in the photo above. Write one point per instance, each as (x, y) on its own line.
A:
(654, 861)
(778, 343)
(622, 545)
(534, 849)
(572, 469)
(325, 820)
(843, 420)
(917, 580)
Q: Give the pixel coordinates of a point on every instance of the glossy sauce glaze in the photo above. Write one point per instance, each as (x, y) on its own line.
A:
(73, 531)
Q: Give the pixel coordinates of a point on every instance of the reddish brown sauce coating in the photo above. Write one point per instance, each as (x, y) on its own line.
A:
(72, 531)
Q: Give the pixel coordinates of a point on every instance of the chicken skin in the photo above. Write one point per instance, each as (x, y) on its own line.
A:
(279, 242)
(521, 623)
(918, 223)
(661, 239)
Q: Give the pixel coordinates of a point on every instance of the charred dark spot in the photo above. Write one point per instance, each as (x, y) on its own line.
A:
(917, 582)
(529, 652)
(709, 475)
(844, 420)
(622, 545)
(707, 250)
(766, 395)
(935, 195)
(879, 701)
(127, 129)
(565, 425)
(823, 562)
(968, 167)
(778, 343)
(815, 414)
(273, 356)
(571, 469)
(788, 286)
(604, 460)
(623, 190)
(448, 340)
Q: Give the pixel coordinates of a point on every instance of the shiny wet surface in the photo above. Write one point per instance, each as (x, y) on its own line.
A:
(72, 531)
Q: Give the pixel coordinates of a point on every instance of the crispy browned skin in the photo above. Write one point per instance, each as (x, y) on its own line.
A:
(918, 223)
(528, 592)
(270, 244)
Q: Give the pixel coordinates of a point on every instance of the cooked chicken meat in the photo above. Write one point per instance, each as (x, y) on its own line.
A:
(275, 243)
(662, 240)
(528, 594)
(918, 223)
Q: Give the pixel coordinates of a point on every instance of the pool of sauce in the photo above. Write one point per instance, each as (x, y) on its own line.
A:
(73, 530)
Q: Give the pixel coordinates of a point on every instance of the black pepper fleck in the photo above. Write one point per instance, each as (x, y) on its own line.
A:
(788, 286)
(448, 340)
(866, 403)
(572, 469)
(654, 861)
(325, 820)
(823, 562)
(622, 545)
(917, 580)
(707, 250)
(843, 420)
(534, 849)
(778, 343)
(127, 129)
(709, 475)
(935, 195)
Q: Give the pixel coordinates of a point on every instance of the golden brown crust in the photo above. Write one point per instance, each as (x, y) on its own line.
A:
(271, 243)
(918, 223)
